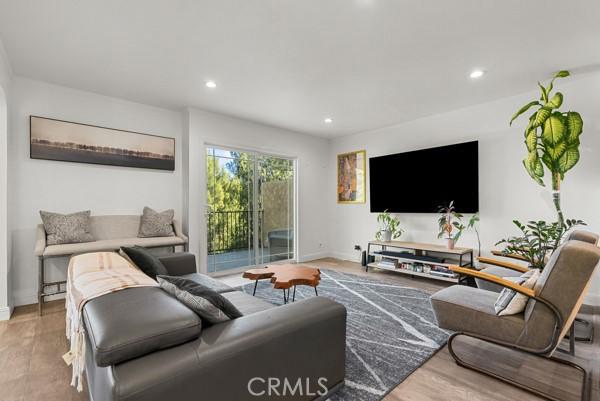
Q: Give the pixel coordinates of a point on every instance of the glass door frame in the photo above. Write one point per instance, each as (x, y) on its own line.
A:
(256, 153)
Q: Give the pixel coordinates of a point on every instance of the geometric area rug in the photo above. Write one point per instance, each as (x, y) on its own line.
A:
(390, 331)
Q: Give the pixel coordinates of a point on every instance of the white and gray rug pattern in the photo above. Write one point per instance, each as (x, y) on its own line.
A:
(391, 330)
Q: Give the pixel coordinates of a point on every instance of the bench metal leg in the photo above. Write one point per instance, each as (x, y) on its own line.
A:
(40, 284)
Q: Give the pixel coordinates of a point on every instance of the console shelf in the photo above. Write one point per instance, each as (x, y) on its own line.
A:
(419, 256)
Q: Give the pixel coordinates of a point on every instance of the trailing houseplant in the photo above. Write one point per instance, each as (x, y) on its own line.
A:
(552, 139)
(389, 227)
(450, 224)
(538, 240)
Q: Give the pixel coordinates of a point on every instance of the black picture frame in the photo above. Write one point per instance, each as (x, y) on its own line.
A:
(42, 147)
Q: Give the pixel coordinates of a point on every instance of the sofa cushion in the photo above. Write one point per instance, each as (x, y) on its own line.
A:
(247, 304)
(110, 245)
(208, 304)
(66, 228)
(136, 321)
(155, 224)
(145, 261)
(215, 285)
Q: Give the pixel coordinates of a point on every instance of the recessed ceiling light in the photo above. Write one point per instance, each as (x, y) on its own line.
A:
(328, 120)
(211, 84)
(476, 74)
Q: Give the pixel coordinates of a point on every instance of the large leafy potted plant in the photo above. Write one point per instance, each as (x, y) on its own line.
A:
(389, 227)
(537, 241)
(450, 224)
(552, 139)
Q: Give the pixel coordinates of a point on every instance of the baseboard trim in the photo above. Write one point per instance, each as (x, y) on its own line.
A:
(5, 312)
(313, 256)
(21, 298)
(345, 256)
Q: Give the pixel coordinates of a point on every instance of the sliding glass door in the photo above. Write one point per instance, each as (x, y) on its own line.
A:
(250, 209)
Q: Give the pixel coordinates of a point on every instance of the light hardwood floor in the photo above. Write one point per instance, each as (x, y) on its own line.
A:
(31, 367)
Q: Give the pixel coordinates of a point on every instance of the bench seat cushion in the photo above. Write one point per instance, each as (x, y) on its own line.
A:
(110, 245)
(136, 321)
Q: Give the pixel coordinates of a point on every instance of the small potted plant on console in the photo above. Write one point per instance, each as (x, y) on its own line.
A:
(389, 227)
(450, 224)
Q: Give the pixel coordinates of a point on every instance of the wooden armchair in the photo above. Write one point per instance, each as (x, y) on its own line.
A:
(551, 309)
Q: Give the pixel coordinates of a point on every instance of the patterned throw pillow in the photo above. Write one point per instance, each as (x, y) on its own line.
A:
(154, 224)
(208, 304)
(66, 228)
(509, 301)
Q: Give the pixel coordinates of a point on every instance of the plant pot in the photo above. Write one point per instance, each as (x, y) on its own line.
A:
(386, 236)
(450, 243)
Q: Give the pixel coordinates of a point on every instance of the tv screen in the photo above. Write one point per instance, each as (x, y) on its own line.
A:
(423, 180)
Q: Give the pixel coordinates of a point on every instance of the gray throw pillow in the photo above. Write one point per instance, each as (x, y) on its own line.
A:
(66, 228)
(155, 224)
(211, 306)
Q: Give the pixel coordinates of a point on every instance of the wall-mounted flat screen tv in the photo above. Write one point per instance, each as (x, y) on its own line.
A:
(423, 180)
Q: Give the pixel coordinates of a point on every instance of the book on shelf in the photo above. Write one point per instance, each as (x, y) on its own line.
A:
(388, 263)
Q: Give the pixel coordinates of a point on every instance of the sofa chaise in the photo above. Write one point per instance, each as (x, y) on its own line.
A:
(144, 345)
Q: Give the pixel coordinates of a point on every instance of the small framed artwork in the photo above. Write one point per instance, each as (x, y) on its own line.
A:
(59, 140)
(351, 177)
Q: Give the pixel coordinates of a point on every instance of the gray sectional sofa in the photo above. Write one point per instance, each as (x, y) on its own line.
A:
(142, 344)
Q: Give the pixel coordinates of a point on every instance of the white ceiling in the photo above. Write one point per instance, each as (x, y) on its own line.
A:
(291, 63)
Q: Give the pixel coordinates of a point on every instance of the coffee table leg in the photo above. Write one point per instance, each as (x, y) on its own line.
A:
(316, 293)
(284, 297)
(294, 297)
(255, 284)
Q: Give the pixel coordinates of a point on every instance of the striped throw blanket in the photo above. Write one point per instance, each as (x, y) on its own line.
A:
(89, 276)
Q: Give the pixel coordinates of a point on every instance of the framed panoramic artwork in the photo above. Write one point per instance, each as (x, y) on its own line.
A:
(351, 177)
(52, 139)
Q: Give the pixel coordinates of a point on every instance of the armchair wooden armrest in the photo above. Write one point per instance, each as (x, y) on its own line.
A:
(501, 263)
(494, 279)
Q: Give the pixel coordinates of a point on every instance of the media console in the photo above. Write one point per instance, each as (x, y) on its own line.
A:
(418, 259)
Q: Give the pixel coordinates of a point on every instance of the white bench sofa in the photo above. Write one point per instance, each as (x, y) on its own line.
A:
(110, 233)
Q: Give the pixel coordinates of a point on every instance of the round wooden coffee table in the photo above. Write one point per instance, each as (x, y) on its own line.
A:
(285, 277)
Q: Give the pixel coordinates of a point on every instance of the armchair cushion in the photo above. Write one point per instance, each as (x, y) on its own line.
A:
(496, 271)
(468, 309)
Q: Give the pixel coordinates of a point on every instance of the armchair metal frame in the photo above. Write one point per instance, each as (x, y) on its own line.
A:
(545, 352)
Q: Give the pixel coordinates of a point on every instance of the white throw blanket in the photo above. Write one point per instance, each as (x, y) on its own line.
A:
(89, 276)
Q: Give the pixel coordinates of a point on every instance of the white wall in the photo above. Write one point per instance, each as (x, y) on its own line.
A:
(5, 84)
(68, 187)
(311, 154)
(506, 191)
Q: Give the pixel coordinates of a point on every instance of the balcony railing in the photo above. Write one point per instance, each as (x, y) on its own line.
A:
(231, 230)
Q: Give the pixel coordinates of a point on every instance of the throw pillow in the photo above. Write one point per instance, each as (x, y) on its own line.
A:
(66, 228)
(510, 302)
(155, 224)
(145, 261)
(208, 304)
